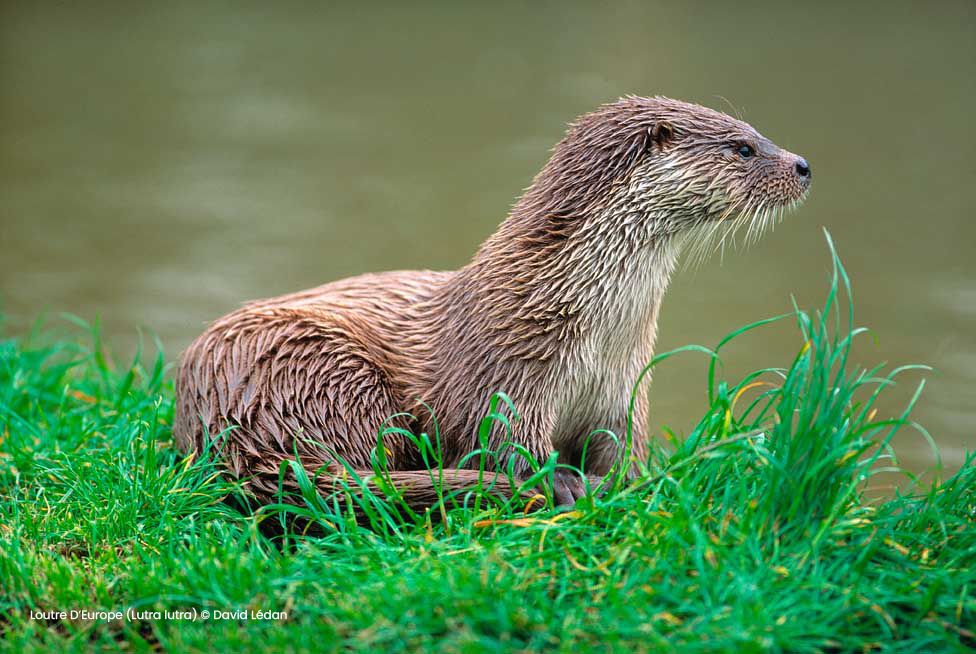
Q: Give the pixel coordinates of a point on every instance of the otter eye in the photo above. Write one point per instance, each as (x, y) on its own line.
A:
(745, 150)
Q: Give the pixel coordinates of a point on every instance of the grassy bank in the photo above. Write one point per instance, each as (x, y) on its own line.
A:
(751, 533)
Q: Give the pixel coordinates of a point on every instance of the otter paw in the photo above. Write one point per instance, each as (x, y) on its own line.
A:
(567, 487)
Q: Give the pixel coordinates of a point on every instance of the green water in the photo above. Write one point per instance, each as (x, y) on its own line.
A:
(161, 164)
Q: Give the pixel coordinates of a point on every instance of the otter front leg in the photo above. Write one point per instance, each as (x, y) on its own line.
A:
(532, 433)
(599, 452)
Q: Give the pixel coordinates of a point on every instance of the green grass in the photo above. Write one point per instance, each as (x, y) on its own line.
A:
(751, 533)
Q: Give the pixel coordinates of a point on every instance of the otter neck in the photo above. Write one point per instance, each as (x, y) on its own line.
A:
(555, 279)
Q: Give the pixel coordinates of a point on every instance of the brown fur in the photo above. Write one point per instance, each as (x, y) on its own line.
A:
(558, 309)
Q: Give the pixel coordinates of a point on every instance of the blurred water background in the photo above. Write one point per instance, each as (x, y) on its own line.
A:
(160, 163)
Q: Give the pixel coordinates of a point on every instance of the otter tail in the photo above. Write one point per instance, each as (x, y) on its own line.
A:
(369, 493)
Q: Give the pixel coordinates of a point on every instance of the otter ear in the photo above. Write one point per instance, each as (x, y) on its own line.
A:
(662, 133)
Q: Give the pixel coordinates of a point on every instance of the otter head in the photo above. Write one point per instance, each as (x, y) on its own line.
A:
(671, 166)
(710, 166)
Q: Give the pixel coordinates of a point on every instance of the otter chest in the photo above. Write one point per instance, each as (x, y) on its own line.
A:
(593, 386)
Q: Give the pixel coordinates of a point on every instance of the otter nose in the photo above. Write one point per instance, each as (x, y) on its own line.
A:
(803, 169)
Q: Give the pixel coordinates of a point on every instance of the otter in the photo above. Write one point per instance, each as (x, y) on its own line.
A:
(558, 309)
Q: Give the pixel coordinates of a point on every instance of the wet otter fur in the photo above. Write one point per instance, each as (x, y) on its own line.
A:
(558, 309)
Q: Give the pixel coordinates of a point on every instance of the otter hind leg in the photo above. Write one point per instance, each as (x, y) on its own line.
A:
(288, 381)
(285, 381)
